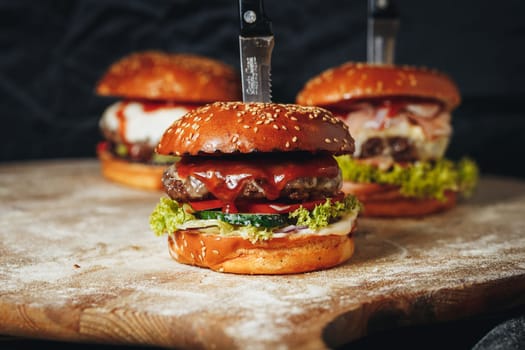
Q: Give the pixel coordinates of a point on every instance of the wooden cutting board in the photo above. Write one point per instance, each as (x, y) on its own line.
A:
(79, 263)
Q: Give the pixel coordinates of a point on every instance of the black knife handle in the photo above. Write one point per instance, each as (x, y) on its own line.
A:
(382, 9)
(253, 19)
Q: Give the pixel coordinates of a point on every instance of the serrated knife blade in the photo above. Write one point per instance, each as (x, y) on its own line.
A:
(256, 43)
(383, 24)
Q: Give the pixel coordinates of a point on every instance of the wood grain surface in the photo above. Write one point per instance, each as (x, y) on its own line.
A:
(79, 263)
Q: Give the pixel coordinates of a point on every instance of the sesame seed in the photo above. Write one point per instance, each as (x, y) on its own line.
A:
(327, 140)
(287, 144)
(259, 122)
(284, 127)
(215, 251)
(192, 256)
(297, 127)
(293, 118)
(335, 139)
(294, 139)
(275, 126)
(201, 242)
(255, 129)
(235, 138)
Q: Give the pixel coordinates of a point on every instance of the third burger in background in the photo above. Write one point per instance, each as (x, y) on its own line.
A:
(400, 118)
(156, 88)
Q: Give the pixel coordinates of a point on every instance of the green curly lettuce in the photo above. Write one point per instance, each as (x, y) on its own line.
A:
(170, 216)
(323, 214)
(255, 234)
(420, 179)
(121, 150)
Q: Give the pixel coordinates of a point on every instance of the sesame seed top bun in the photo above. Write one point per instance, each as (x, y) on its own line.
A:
(176, 77)
(352, 81)
(236, 127)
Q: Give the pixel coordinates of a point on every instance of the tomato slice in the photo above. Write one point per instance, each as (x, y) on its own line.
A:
(102, 146)
(258, 207)
(206, 204)
(280, 207)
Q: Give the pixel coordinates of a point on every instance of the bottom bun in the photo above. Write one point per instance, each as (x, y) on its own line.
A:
(387, 201)
(292, 254)
(138, 175)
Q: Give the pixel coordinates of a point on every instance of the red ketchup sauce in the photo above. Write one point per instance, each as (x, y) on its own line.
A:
(149, 106)
(122, 122)
(225, 177)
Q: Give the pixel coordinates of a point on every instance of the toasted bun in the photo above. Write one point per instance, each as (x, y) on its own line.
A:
(236, 127)
(139, 175)
(293, 254)
(176, 77)
(387, 201)
(352, 81)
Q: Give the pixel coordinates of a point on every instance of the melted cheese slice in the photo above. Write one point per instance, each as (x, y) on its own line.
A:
(138, 124)
(430, 139)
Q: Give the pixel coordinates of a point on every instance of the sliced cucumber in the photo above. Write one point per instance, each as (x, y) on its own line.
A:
(257, 220)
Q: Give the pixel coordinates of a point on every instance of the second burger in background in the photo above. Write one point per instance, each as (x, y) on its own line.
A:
(156, 89)
(400, 119)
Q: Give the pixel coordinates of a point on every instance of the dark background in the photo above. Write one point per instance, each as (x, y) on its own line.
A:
(53, 52)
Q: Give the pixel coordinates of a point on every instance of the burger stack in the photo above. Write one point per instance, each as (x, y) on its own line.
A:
(156, 88)
(257, 189)
(400, 118)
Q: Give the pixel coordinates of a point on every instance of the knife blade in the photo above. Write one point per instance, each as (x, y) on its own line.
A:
(383, 24)
(256, 43)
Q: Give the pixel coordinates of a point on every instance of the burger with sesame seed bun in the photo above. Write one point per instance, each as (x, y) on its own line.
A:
(257, 189)
(400, 118)
(156, 88)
